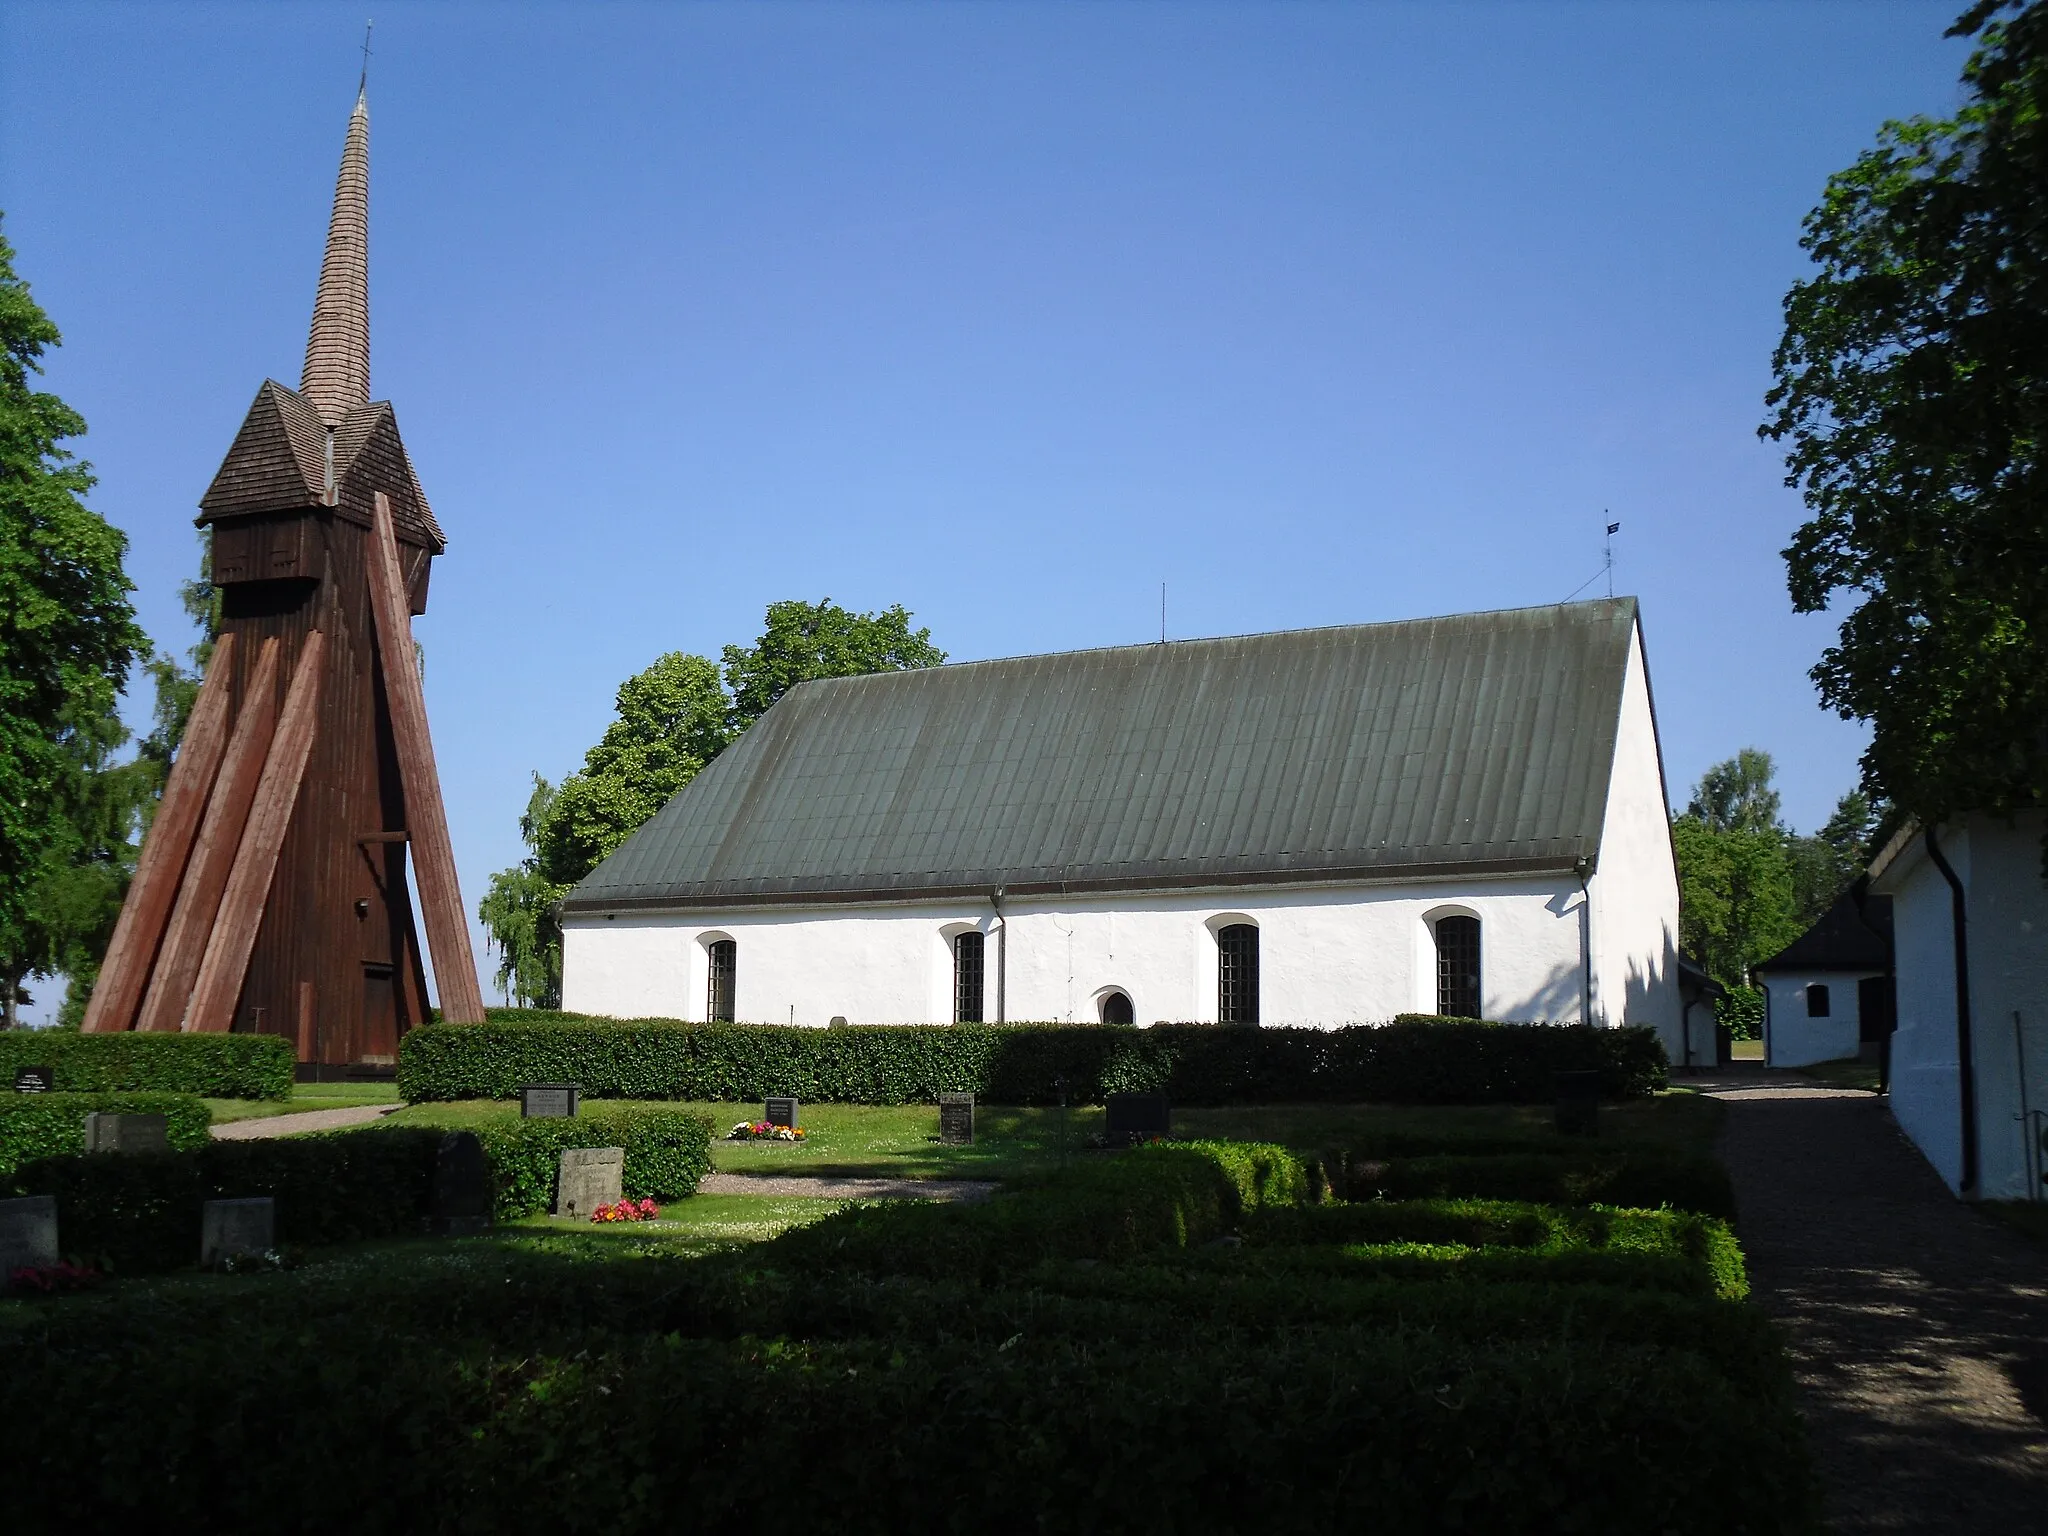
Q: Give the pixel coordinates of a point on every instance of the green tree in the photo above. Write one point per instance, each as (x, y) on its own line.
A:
(518, 913)
(1911, 392)
(176, 686)
(1734, 869)
(1824, 864)
(804, 641)
(67, 630)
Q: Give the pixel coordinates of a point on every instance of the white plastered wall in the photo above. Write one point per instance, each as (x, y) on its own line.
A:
(1793, 1036)
(1634, 889)
(1329, 955)
(1998, 862)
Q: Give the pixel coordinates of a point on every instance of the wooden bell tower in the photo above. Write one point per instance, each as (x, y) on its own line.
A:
(271, 893)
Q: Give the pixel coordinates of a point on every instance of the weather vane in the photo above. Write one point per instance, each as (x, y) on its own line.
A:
(363, 84)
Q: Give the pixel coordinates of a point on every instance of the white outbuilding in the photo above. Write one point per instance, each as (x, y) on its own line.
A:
(1461, 815)
(1969, 1063)
(1827, 994)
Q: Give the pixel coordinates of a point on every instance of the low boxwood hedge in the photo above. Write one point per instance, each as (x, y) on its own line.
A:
(34, 1125)
(214, 1066)
(1419, 1061)
(140, 1213)
(1639, 1176)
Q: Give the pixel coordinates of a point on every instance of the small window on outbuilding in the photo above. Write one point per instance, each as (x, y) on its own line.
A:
(1237, 974)
(1817, 1003)
(723, 988)
(1117, 1009)
(968, 952)
(1457, 968)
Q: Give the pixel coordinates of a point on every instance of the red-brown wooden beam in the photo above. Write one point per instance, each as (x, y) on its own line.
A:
(124, 974)
(270, 816)
(220, 834)
(462, 999)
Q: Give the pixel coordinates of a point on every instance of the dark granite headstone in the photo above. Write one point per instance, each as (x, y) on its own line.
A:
(1578, 1103)
(549, 1101)
(35, 1080)
(1137, 1117)
(461, 1201)
(234, 1229)
(781, 1112)
(956, 1119)
(28, 1234)
(127, 1133)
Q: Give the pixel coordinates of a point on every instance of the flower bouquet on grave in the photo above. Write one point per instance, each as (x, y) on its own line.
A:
(61, 1279)
(764, 1130)
(627, 1210)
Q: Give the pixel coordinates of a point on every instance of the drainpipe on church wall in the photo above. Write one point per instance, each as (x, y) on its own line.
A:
(1966, 1067)
(995, 900)
(1584, 868)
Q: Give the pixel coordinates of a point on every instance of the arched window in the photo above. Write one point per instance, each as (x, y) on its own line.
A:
(1237, 974)
(1817, 1001)
(724, 984)
(1457, 968)
(1116, 1008)
(967, 973)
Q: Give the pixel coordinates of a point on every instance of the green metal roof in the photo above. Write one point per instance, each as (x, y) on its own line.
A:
(1476, 743)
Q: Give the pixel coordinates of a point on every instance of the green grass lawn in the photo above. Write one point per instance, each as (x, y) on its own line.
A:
(1849, 1073)
(1746, 1050)
(901, 1141)
(305, 1097)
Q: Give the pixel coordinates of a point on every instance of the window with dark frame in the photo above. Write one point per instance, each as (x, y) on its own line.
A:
(968, 951)
(1457, 968)
(723, 988)
(1817, 1001)
(1116, 1009)
(1237, 974)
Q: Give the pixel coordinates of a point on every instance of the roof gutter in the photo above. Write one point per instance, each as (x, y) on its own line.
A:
(1966, 1070)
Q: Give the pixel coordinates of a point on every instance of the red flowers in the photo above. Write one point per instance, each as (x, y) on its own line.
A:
(56, 1280)
(627, 1210)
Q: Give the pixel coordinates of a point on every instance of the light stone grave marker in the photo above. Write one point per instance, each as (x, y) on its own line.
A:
(589, 1177)
(28, 1234)
(233, 1229)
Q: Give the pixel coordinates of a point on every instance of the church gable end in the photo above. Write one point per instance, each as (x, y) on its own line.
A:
(277, 461)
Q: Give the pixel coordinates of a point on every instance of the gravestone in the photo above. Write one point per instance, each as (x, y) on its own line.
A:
(1137, 1117)
(1578, 1103)
(956, 1119)
(549, 1101)
(461, 1200)
(35, 1080)
(590, 1177)
(780, 1112)
(28, 1234)
(232, 1229)
(127, 1133)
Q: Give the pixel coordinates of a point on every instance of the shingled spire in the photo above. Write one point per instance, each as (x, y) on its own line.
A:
(337, 376)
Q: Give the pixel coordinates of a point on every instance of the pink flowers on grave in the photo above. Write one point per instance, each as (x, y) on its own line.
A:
(627, 1210)
(55, 1280)
(763, 1130)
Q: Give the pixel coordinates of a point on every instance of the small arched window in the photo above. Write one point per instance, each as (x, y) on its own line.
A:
(1237, 974)
(1817, 1001)
(723, 989)
(1457, 968)
(1116, 1008)
(968, 952)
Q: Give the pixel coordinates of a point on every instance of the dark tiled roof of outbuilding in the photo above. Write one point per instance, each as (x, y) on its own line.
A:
(1846, 937)
(1473, 743)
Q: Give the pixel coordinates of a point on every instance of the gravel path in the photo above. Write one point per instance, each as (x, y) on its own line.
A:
(844, 1189)
(305, 1120)
(1918, 1328)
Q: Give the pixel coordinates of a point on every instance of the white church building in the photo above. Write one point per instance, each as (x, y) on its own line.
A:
(1461, 815)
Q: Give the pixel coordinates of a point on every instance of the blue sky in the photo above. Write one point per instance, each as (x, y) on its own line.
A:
(1319, 314)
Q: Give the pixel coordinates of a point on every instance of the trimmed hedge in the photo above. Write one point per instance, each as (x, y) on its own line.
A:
(213, 1066)
(140, 1213)
(1410, 1062)
(1637, 1176)
(34, 1125)
(667, 1152)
